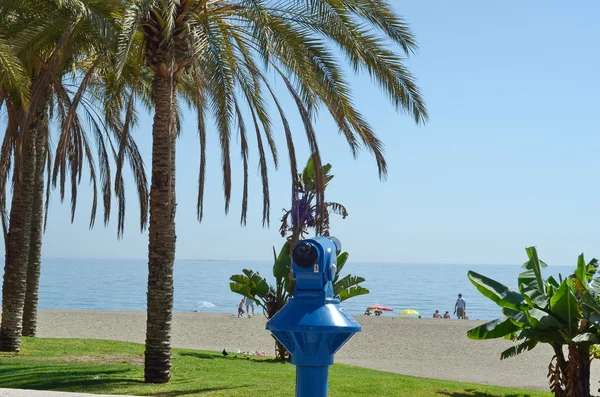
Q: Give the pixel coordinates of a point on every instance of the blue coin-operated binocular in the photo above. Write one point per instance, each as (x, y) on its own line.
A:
(312, 325)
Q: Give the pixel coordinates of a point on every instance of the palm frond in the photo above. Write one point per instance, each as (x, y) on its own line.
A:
(244, 155)
(337, 209)
(13, 78)
(220, 54)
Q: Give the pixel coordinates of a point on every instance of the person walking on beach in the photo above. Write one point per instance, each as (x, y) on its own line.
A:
(460, 307)
(249, 304)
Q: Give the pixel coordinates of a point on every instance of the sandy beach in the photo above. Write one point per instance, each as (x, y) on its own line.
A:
(432, 348)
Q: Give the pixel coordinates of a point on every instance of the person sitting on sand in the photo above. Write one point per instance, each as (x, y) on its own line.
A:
(447, 314)
(378, 312)
(367, 312)
(465, 317)
(241, 308)
(437, 314)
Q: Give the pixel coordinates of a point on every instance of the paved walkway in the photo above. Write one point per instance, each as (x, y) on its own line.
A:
(36, 393)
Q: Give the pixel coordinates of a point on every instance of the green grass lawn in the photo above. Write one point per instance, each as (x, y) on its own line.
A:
(98, 366)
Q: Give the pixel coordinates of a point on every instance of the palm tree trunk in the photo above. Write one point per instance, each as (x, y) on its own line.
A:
(161, 249)
(17, 252)
(37, 222)
(281, 353)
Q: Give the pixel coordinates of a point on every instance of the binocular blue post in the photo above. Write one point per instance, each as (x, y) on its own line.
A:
(312, 381)
(312, 325)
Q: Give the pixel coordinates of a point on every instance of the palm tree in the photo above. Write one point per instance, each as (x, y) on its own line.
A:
(36, 224)
(17, 240)
(50, 39)
(216, 53)
(23, 127)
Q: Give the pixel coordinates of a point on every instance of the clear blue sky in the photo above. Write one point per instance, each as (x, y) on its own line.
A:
(508, 160)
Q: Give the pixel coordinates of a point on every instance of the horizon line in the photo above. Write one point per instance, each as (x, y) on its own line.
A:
(270, 260)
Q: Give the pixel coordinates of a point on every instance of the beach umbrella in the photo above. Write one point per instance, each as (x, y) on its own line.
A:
(381, 308)
(408, 312)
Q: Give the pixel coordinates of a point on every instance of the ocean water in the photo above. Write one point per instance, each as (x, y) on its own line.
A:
(94, 284)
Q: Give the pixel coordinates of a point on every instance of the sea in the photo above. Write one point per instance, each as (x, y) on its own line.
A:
(203, 286)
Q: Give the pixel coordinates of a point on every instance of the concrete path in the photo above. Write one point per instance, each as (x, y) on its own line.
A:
(37, 393)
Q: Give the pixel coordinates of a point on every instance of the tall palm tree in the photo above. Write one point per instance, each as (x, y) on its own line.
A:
(36, 224)
(24, 124)
(50, 38)
(216, 54)
(17, 238)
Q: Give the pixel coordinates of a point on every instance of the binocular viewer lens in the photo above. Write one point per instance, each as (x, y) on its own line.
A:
(305, 255)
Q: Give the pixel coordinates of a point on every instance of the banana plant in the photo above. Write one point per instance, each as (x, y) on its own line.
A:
(563, 312)
(252, 285)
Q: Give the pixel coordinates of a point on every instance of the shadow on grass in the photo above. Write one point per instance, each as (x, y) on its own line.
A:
(202, 356)
(271, 361)
(232, 356)
(474, 393)
(65, 379)
(88, 380)
(175, 393)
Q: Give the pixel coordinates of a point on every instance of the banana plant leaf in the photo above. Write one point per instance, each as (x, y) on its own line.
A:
(348, 287)
(518, 317)
(581, 270)
(564, 305)
(307, 176)
(239, 286)
(257, 282)
(535, 264)
(548, 335)
(493, 329)
(340, 262)
(497, 292)
(550, 311)
(589, 295)
(282, 262)
(541, 319)
(529, 288)
(352, 292)
(250, 284)
(586, 272)
(518, 348)
(552, 281)
(594, 288)
(586, 338)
